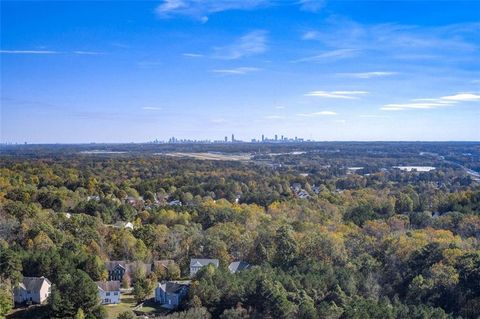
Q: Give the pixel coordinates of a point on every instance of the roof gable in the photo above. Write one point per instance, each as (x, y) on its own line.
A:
(201, 262)
(34, 284)
(113, 285)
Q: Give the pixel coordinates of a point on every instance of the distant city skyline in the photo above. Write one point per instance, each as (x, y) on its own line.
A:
(233, 139)
(136, 71)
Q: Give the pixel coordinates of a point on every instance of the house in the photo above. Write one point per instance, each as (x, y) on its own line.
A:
(32, 290)
(303, 194)
(123, 225)
(296, 187)
(237, 266)
(171, 293)
(116, 269)
(164, 263)
(109, 291)
(119, 268)
(175, 202)
(196, 264)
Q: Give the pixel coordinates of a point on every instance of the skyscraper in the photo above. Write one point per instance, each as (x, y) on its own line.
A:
(263, 138)
(233, 138)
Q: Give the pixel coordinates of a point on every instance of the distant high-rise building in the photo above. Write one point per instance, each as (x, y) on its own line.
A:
(276, 137)
(263, 138)
(281, 138)
(233, 138)
(226, 139)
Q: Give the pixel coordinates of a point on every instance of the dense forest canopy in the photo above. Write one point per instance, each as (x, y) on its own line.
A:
(332, 230)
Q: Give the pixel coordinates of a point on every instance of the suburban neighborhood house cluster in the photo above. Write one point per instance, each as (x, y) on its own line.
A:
(168, 293)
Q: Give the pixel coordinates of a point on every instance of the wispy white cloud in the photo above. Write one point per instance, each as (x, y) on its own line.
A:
(152, 108)
(43, 52)
(367, 75)
(386, 108)
(310, 35)
(337, 94)
(311, 5)
(433, 103)
(236, 71)
(193, 55)
(398, 41)
(461, 97)
(200, 9)
(397, 106)
(88, 52)
(252, 43)
(28, 52)
(280, 107)
(315, 114)
(330, 55)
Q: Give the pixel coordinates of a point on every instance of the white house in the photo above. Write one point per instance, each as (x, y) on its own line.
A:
(32, 290)
(175, 202)
(109, 291)
(171, 293)
(125, 225)
(196, 264)
(237, 266)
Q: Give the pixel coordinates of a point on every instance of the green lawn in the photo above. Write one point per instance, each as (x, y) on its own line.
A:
(127, 302)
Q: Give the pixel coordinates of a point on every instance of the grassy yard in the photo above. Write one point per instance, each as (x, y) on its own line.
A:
(127, 302)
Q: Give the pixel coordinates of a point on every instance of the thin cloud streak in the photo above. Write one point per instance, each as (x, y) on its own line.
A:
(236, 71)
(330, 55)
(367, 75)
(350, 95)
(201, 9)
(252, 43)
(315, 114)
(433, 103)
(193, 55)
(88, 53)
(28, 52)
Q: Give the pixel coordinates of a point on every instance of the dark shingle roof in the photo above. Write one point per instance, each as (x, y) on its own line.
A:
(174, 287)
(111, 265)
(113, 285)
(129, 267)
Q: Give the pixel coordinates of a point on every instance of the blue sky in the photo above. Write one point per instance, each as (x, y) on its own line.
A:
(118, 71)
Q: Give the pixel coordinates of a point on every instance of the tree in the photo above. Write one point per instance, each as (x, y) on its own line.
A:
(126, 315)
(306, 308)
(73, 291)
(80, 314)
(6, 303)
(142, 288)
(10, 264)
(286, 247)
(173, 271)
(235, 313)
(193, 313)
